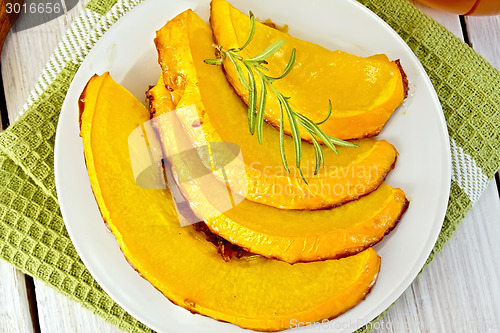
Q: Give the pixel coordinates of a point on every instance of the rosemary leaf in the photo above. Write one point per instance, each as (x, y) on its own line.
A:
(282, 141)
(297, 142)
(215, 62)
(329, 112)
(319, 155)
(288, 67)
(339, 142)
(239, 72)
(261, 67)
(250, 36)
(272, 49)
(252, 99)
(261, 109)
(314, 130)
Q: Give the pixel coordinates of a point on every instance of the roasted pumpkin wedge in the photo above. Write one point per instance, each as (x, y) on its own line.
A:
(252, 292)
(183, 44)
(364, 91)
(288, 235)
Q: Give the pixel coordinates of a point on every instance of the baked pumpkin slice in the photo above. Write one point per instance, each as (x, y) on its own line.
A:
(364, 91)
(289, 235)
(183, 44)
(252, 292)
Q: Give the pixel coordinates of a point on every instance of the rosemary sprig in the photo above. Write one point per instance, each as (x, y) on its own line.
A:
(255, 66)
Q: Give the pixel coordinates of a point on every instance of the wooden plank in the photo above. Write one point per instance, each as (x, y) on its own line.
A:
(450, 21)
(57, 313)
(24, 56)
(484, 36)
(459, 291)
(15, 316)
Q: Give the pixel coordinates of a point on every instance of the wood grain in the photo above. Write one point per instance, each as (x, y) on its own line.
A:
(20, 71)
(449, 21)
(7, 19)
(25, 54)
(15, 314)
(459, 291)
(58, 314)
(484, 36)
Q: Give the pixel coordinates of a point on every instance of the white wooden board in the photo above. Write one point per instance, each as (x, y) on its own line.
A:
(458, 292)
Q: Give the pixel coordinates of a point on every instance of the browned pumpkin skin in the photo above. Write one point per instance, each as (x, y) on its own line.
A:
(364, 91)
(178, 261)
(222, 117)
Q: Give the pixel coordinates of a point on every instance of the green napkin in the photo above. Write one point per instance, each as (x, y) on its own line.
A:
(32, 233)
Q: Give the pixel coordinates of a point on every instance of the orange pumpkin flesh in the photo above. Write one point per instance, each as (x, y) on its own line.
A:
(252, 292)
(183, 44)
(288, 235)
(364, 91)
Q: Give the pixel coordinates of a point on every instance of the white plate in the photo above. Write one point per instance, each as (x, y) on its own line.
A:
(417, 129)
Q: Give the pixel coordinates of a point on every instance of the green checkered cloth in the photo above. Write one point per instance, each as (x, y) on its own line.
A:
(32, 233)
